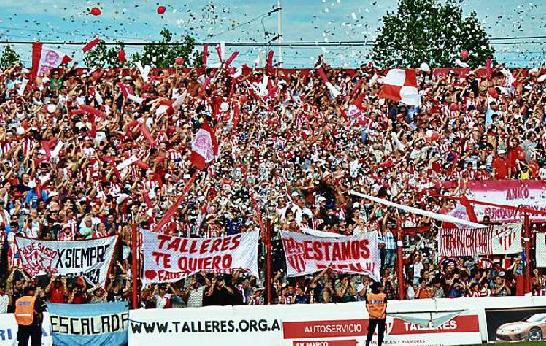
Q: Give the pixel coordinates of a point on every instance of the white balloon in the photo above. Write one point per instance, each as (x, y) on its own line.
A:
(425, 67)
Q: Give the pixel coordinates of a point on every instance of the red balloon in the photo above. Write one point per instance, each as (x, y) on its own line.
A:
(179, 61)
(521, 155)
(464, 54)
(161, 9)
(96, 11)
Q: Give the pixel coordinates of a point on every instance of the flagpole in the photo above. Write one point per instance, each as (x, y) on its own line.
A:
(527, 241)
(400, 259)
(134, 267)
(166, 218)
(265, 231)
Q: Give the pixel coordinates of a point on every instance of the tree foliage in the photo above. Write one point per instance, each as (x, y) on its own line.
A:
(9, 57)
(163, 54)
(103, 57)
(429, 31)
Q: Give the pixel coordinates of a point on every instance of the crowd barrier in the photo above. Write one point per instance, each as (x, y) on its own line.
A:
(432, 322)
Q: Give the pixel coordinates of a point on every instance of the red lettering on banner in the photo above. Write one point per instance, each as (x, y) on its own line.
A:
(162, 239)
(225, 244)
(365, 250)
(336, 252)
(236, 241)
(321, 329)
(184, 246)
(308, 248)
(174, 245)
(204, 246)
(166, 263)
(215, 245)
(193, 247)
(318, 253)
(325, 343)
(327, 245)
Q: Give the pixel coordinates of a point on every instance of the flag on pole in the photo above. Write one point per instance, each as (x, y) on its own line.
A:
(45, 58)
(401, 85)
(204, 148)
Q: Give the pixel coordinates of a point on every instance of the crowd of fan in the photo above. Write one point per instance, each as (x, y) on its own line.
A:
(288, 141)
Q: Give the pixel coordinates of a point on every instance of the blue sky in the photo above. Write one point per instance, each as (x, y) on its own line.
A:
(303, 20)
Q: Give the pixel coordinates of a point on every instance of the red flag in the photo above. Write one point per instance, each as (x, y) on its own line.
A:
(146, 199)
(230, 60)
(322, 75)
(469, 209)
(205, 54)
(66, 60)
(169, 214)
(91, 44)
(146, 133)
(204, 148)
(401, 85)
(270, 61)
(121, 56)
(488, 67)
(45, 58)
(93, 110)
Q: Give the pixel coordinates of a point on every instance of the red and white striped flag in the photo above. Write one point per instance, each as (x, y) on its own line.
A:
(45, 58)
(401, 85)
(204, 148)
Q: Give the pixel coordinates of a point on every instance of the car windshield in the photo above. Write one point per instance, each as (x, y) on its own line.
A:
(537, 318)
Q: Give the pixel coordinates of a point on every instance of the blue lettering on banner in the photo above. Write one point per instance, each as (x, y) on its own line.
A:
(6, 334)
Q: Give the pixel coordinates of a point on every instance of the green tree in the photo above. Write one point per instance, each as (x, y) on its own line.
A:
(163, 54)
(9, 57)
(102, 57)
(429, 31)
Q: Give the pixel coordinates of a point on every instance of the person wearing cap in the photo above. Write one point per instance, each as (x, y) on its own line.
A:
(29, 315)
(376, 303)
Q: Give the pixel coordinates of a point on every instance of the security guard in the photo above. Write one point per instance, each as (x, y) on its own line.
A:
(376, 302)
(28, 313)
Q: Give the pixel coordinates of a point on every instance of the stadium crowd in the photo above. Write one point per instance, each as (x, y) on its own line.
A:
(288, 141)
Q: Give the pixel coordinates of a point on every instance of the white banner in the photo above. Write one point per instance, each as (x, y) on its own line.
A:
(8, 330)
(306, 254)
(453, 242)
(495, 240)
(291, 325)
(507, 239)
(49, 58)
(88, 258)
(168, 259)
(540, 250)
(525, 193)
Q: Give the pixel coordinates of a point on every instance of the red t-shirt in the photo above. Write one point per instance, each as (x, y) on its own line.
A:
(501, 168)
(56, 295)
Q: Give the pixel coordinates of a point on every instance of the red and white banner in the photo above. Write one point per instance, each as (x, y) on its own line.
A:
(45, 58)
(204, 147)
(401, 85)
(88, 258)
(495, 240)
(507, 239)
(307, 254)
(540, 250)
(454, 242)
(292, 325)
(518, 193)
(168, 259)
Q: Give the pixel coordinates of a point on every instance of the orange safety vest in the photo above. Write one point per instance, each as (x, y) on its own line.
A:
(24, 310)
(377, 308)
